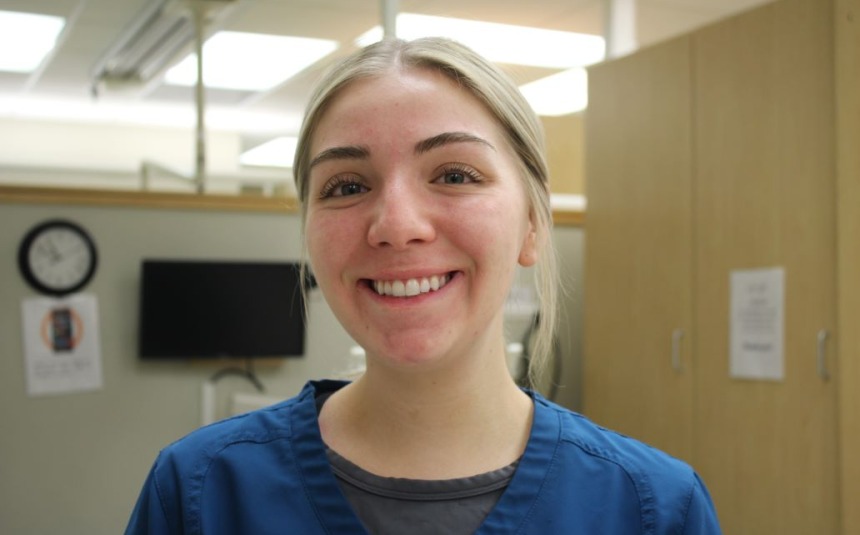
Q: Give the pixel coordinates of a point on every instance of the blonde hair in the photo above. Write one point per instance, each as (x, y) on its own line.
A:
(500, 95)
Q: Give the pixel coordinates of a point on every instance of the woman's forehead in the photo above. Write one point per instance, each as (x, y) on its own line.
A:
(414, 103)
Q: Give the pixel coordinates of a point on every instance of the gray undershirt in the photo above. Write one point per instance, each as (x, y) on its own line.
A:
(394, 506)
(389, 505)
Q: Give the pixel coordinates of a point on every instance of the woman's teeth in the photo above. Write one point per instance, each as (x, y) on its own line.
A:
(410, 287)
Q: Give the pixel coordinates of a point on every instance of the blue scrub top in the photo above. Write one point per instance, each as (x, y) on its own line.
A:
(267, 472)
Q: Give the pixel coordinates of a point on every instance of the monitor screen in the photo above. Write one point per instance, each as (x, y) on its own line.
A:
(209, 309)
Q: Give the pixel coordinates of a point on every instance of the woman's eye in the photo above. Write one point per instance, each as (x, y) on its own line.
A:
(454, 178)
(458, 176)
(343, 188)
(348, 189)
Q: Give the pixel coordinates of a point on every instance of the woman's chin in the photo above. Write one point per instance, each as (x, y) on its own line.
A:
(409, 357)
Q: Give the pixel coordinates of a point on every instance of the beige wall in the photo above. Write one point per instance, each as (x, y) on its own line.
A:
(74, 463)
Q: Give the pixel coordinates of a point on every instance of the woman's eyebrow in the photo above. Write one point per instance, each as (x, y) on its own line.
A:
(447, 138)
(349, 152)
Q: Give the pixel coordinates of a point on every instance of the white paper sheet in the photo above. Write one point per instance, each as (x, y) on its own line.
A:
(61, 345)
(756, 328)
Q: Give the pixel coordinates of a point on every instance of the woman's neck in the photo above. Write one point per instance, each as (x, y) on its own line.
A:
(434, 425)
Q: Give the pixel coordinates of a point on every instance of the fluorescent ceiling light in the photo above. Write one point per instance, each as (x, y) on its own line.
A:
(26, 39)
(558, 94)
(502, 43)
(250, 61)
(226, 119)
(278, 152)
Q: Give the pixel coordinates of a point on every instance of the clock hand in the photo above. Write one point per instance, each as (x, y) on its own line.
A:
(55, 254)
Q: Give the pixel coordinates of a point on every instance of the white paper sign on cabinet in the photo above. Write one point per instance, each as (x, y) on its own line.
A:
(756, 324)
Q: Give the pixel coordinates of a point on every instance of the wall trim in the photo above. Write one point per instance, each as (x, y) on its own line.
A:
(189, 201)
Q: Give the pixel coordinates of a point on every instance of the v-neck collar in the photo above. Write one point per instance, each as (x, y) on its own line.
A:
(518, 499)
(333, 509)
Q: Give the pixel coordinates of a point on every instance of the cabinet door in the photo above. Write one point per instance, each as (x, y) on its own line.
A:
(638, 274)
(765, 197)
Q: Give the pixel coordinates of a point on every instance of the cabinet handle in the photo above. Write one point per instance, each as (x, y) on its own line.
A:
(677, 336)
(821, 357)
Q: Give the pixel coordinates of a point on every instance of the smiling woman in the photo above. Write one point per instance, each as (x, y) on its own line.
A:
(436, 177)
(423, 187)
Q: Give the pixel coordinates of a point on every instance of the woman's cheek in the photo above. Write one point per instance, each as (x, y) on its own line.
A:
(314, 238)
(330, 237)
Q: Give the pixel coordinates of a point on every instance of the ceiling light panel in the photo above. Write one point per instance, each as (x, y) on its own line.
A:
(278, 152)
(26, 39)
(250, 61)
(502, 43)
(558, 94)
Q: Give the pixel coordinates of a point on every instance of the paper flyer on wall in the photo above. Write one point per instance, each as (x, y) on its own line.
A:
(757, 317)
(61, 345)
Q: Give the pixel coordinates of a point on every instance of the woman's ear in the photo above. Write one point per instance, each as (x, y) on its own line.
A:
(529, 251)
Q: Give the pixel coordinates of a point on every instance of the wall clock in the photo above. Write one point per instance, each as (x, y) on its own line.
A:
(57, 257)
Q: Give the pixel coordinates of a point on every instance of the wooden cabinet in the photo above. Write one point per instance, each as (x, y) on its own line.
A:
(707, 154)
(847, 37)
(765, 196)
(639, 261)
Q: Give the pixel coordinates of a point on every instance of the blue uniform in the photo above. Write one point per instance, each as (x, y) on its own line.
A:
(267, 472)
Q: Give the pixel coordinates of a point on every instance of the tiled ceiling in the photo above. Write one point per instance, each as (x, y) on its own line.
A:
(94, 25)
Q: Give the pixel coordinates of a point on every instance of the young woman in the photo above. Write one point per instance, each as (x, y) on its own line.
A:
(423, 184)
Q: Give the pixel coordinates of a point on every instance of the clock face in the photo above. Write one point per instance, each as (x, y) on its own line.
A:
(57, 257)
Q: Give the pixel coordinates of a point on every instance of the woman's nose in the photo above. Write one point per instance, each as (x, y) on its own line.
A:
(401, 217)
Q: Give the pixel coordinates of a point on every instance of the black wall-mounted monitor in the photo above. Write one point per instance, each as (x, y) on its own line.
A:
(213, 309)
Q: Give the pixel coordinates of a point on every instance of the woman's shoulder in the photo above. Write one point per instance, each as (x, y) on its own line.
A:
(646, 467)
(258, 427)
(238, 460)
(626, 472)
